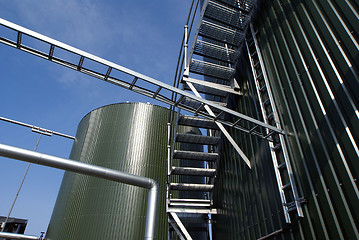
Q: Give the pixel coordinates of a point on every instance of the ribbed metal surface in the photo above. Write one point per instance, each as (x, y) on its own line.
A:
(226, 15)
(127, 137)
(213, 50)
(211, 69)
(310, 49)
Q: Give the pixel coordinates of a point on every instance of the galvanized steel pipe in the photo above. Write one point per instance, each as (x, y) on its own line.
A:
(96, 171)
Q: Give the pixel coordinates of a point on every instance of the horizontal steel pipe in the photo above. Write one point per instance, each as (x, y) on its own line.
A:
(96, 171)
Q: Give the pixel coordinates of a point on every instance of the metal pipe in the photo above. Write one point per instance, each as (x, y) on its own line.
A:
(185, 47)
(37, 129)
(6, 235)
(169, 152)
(96, 171)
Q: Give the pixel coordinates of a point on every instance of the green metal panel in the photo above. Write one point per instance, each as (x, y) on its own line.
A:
(128, 137)
(311, 52)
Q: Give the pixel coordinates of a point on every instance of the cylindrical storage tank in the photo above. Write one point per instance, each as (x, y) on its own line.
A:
(128, 137)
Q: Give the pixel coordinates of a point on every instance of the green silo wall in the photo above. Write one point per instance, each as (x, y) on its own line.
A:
(310, 50)
(128, 137)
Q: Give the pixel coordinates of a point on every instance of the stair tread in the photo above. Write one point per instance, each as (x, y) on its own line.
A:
(199, 107)
(191, 187)
(197, 122)
(221, 32)
(195, 138)
(192, 155)
(211, 69)
(192, 210)
(213, 50)
(193, 171)
(190, 200)
(199, 205)
(227, 15)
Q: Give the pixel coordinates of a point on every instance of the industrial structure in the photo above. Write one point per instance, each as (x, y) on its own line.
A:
(13, 225)
(273, 85)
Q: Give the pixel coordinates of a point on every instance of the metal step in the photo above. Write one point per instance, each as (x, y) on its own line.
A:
(191, 187)
(199, 106)
(205, 172)
(226, 15)
(176, 202)
(191, 155)
(221, 32)
(211, 69)
(192, 211)
(199, 122)
(197, 139)
(213, 50)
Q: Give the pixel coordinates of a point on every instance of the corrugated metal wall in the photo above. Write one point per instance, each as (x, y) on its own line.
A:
(128, 137)
(311, 51)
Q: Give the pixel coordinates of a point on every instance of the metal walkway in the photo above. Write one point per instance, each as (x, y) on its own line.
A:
(73, 58)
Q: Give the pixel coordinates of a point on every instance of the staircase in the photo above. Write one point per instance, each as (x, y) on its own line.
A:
(191, 178)
(209, 74)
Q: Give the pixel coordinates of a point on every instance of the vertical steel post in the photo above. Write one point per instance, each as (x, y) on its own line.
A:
(186, 67)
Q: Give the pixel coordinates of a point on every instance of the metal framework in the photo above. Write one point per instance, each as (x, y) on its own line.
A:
(219, 39)
(124, 77)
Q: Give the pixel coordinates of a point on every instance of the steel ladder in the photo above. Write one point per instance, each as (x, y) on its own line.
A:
(279, 153)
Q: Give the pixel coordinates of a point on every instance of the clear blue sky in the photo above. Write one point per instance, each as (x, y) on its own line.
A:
(141, 35)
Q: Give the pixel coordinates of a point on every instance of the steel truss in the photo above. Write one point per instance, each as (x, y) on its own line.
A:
(126, 78)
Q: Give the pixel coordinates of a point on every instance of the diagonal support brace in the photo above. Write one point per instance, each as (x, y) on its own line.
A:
(222, 128)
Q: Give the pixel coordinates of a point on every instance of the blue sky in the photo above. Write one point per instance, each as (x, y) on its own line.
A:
(144, 36)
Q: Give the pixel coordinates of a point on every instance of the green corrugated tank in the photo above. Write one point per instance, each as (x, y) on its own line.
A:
(128, 137)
